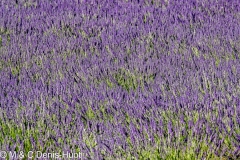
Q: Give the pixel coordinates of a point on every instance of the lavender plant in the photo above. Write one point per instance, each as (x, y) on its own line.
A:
(127, 79)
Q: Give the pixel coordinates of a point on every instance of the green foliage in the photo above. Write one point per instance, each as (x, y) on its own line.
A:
(27, 145)
(109, 83)
(195, 51)
(126, 80)
(15, 70)
(89, 140)
(127, 119)
(90, 113)
(149, 154)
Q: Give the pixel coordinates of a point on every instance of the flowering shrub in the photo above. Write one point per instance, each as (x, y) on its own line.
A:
(127, 79)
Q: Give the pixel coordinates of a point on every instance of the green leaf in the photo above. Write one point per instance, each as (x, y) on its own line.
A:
(90, 113)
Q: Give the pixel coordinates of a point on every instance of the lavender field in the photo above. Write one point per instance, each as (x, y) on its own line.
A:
(120, 79)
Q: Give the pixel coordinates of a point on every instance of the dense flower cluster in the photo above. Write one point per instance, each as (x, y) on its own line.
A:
(143, 79)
